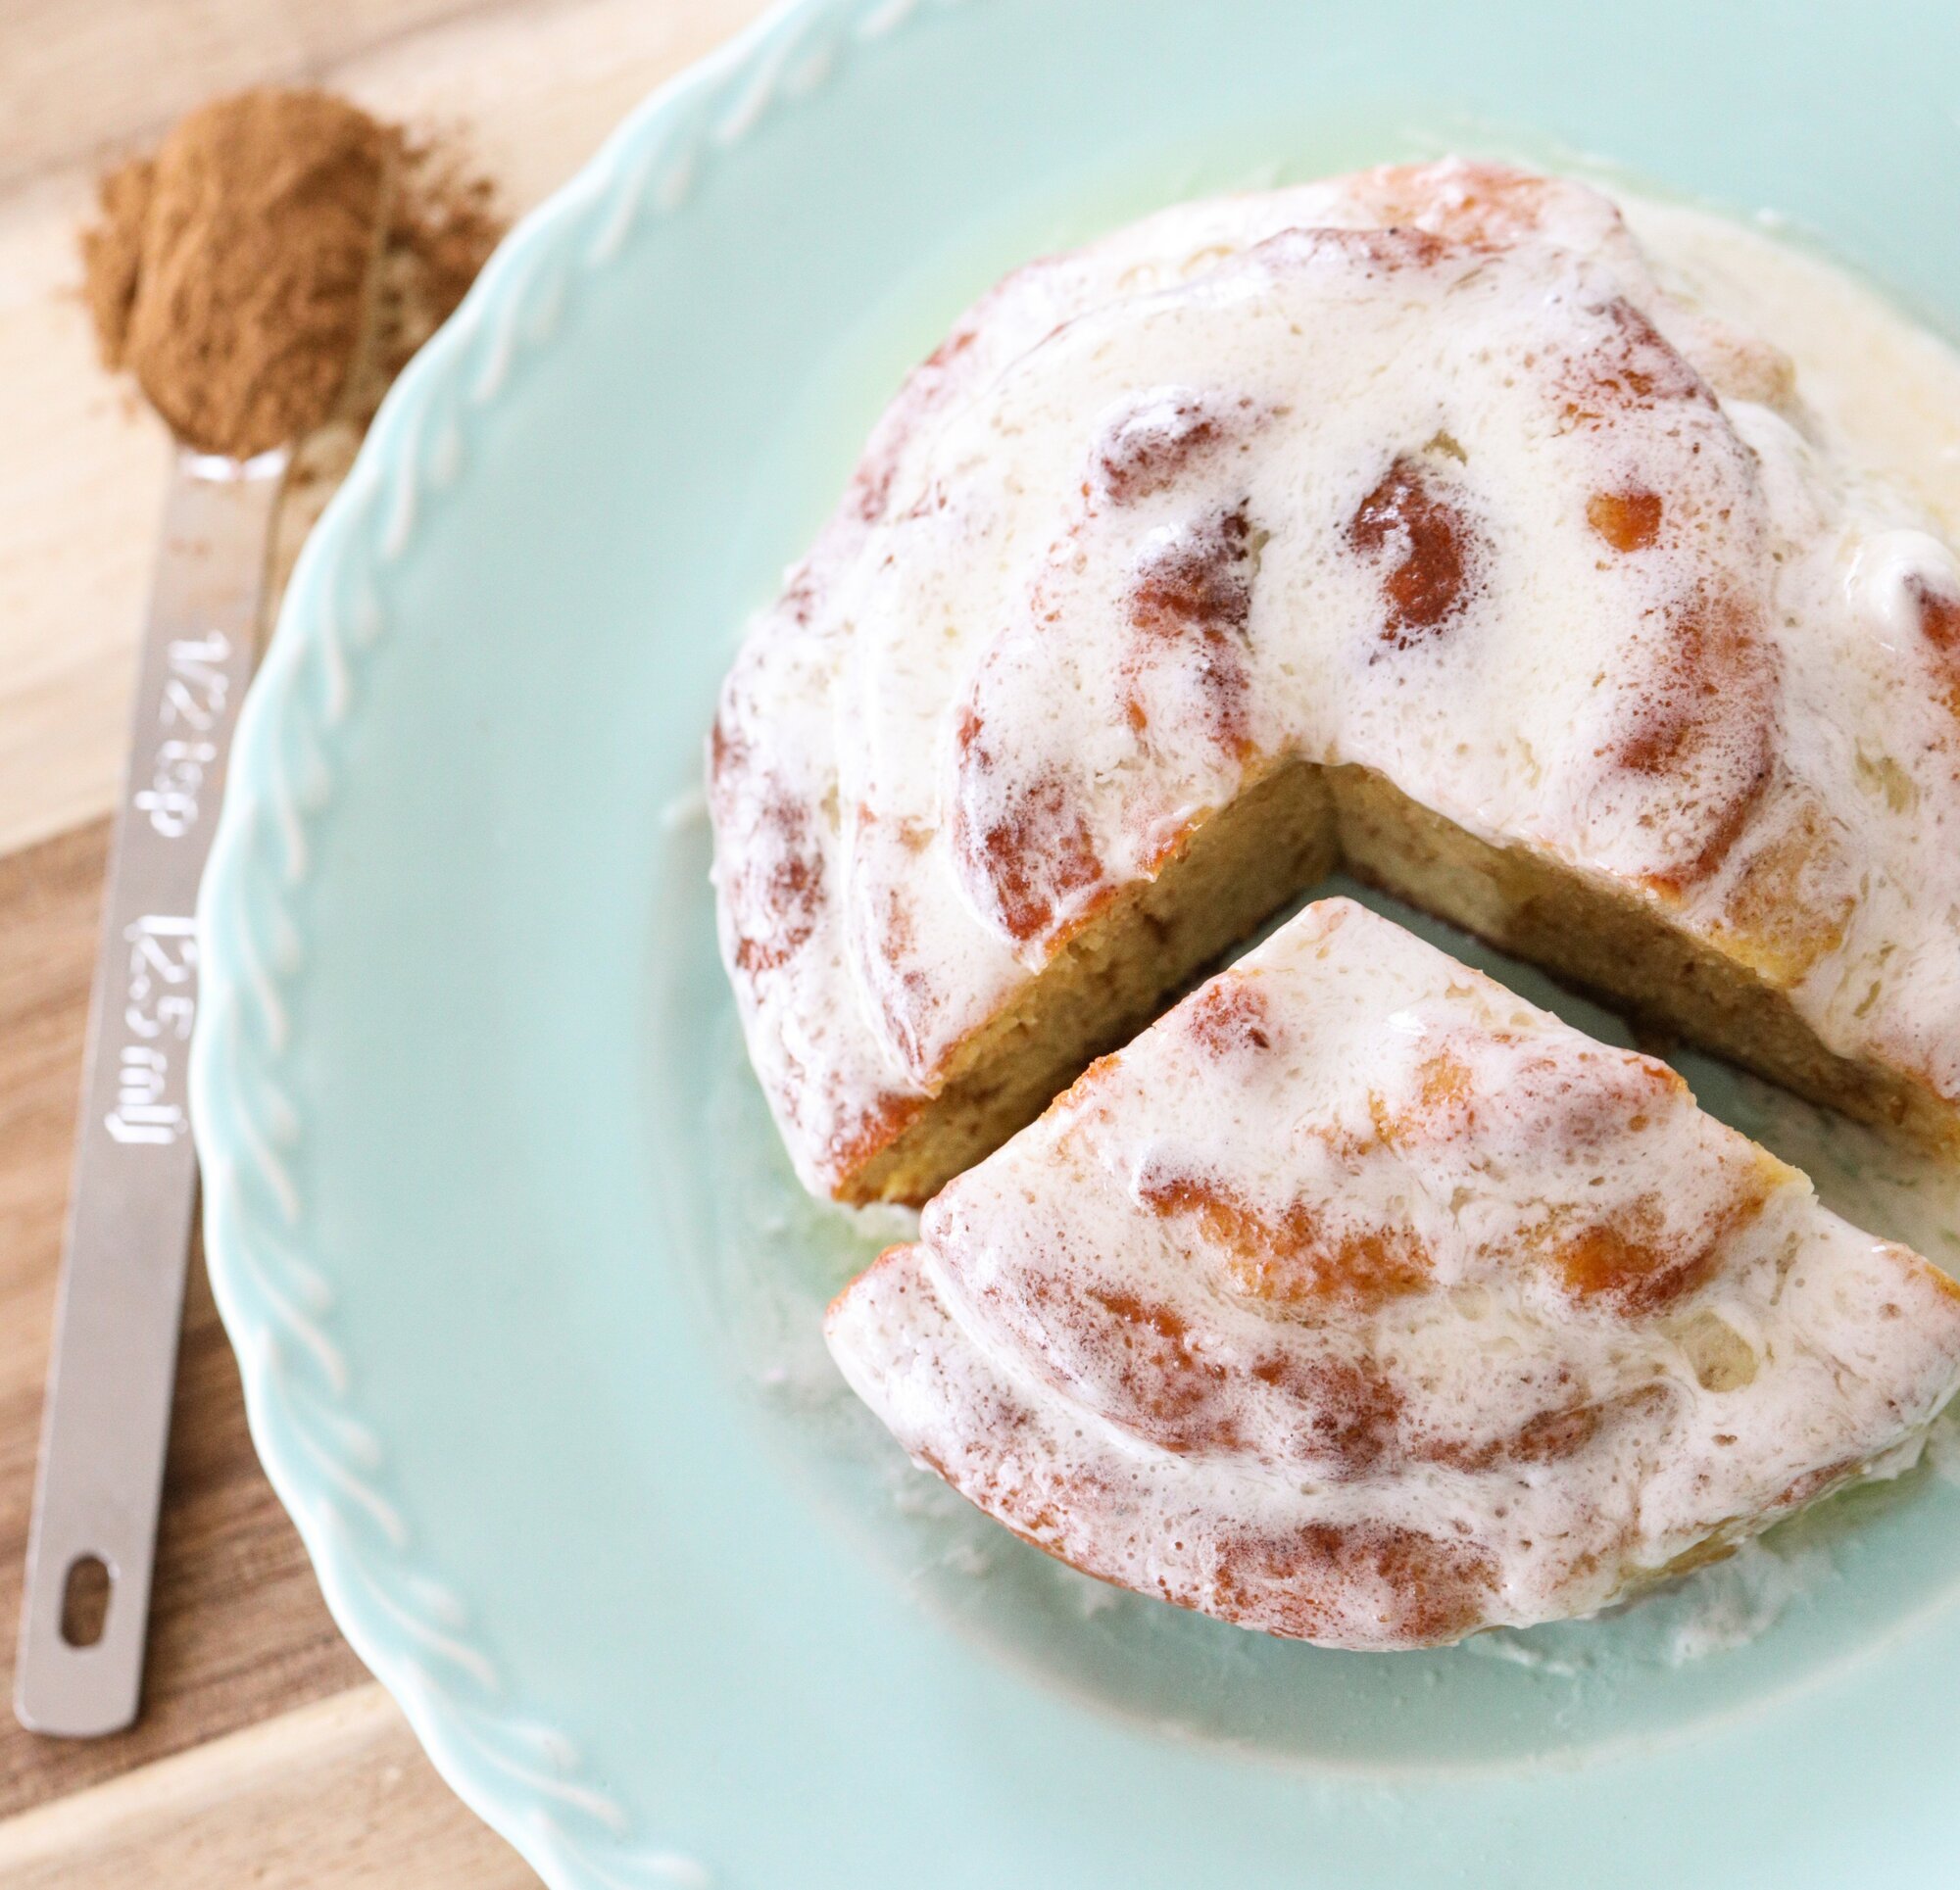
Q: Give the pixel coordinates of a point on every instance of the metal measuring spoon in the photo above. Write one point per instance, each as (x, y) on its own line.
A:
(127, 1243)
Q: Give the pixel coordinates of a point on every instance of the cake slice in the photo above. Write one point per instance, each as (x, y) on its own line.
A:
(1359, 1301)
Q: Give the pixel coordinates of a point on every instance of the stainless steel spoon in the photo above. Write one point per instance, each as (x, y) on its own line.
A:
(134, 1186)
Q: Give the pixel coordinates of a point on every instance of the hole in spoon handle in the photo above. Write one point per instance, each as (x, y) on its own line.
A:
(85, 1597)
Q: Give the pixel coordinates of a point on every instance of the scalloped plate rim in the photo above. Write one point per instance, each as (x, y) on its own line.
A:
(496, 293)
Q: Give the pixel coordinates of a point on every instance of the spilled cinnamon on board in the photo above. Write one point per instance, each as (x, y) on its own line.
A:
(273, 266)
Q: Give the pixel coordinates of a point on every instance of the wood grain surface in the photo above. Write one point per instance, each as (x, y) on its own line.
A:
(334, 1793)
(264, 1754)
(239, 1631)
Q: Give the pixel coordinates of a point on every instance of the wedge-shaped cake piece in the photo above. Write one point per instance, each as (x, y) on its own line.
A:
(1357, 1300)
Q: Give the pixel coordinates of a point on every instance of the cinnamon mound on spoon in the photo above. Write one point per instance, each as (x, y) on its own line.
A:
(276, 262)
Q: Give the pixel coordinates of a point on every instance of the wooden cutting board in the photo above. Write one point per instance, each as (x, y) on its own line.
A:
(264, 1754)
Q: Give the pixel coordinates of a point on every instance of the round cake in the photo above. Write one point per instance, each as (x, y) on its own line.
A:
(1404, 522)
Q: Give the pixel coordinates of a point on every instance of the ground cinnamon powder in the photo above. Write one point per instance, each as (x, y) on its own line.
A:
(112, 253)
(276, 262)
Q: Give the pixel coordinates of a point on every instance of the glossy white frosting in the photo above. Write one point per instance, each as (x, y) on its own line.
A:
(1471, 499)
(1361, 1302)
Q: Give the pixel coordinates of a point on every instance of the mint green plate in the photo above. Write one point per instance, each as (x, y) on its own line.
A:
(525, 1296)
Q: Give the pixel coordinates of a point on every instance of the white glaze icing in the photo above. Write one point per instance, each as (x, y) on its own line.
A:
(1237, 481)
(1359, 1300)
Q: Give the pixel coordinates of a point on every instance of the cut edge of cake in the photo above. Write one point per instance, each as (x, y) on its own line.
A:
(1240, 864)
